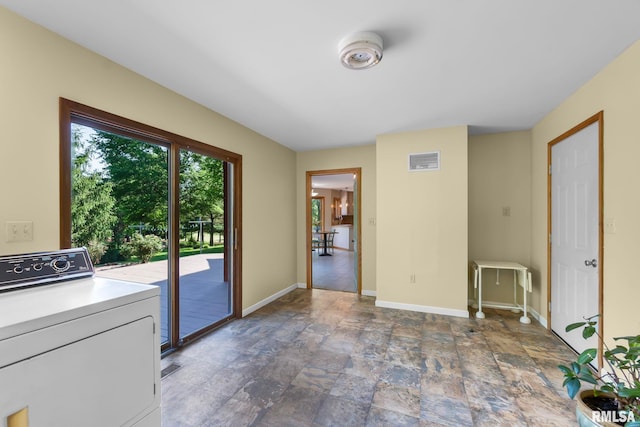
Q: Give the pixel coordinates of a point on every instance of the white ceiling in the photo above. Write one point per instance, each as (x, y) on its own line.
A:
(336, 182)
(496, 65)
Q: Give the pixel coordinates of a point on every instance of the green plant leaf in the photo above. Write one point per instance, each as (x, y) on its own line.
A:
(573, 387)
(607, 388)
(618, 350)
(588, 332)
(629, 392)
(575, 368)
(587, 356)
(587, 376)
(629, 338)
(565, 370)
(573, 326)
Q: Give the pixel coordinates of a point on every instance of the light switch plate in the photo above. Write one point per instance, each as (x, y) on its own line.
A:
(609, 225)
(19, 231)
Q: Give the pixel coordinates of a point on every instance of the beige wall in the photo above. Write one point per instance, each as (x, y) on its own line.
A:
(352, 157)
(422, 222)
(500, 177)
(616, 91)
(38, 67)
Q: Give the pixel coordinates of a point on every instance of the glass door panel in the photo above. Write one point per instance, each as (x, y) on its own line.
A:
(119, 209)
(204, 285)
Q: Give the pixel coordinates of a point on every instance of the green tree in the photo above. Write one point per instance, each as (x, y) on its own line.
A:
(92, 204)
(316, 214)
(202, 191)
(139, 175)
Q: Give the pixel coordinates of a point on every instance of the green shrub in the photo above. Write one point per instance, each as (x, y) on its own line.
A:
(96, 251)
(112, 255)
(144, 247)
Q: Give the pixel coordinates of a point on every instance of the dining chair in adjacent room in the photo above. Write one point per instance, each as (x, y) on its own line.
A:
(330, 237)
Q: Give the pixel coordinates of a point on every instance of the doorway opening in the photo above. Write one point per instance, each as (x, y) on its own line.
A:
(333, 223)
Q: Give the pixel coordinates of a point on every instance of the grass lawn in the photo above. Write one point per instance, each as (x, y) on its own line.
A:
(161, 256)
(216, 249)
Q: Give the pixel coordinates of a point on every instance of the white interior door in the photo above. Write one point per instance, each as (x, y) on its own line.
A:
(575, 233)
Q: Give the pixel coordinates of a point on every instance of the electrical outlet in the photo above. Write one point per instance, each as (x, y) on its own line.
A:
(372, 221)
(506, 211)
(19, 231)
(412, 278)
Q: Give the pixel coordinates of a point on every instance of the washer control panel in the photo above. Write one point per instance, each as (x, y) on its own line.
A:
(19, 271)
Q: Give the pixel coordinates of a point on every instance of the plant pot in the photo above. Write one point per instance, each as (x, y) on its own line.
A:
(588, 417)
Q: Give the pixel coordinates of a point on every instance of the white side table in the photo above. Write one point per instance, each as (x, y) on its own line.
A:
(521, 276)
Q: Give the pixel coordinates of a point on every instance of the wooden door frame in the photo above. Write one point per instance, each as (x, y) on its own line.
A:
(72, 111)
(308, 235)
(596, 118)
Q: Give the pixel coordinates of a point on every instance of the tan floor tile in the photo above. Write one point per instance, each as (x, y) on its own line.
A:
(445, 411)
(480, 365)
(364, 367)
(443, 384)
(315, 379)
(405, 400)
(444, 363)
(311, 356)
(546, 409)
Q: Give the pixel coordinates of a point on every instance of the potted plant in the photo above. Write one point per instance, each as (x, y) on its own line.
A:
(614, 398)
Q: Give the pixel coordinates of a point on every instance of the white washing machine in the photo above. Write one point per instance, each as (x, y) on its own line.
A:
(76, 350)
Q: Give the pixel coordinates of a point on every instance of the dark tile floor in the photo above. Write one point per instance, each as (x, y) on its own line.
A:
(323, 358)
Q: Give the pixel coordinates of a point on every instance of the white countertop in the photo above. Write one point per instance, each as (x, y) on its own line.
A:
(39, 307)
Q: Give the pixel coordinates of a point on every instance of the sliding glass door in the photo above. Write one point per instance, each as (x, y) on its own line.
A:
(153, 209)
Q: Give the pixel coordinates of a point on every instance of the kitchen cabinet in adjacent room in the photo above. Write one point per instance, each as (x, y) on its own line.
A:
(344, 237)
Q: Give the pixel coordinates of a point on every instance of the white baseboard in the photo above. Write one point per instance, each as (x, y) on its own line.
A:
(423, 308)
(538, 317)
(498, 305)
(271, 298)
(365, 292)
(506, 306)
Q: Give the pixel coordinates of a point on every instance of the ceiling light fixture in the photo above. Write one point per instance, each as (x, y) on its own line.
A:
(361, 50)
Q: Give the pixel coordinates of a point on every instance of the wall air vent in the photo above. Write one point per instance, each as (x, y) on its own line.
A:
(424, 161)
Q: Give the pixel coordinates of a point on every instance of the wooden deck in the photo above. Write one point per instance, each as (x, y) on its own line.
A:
(204, 295)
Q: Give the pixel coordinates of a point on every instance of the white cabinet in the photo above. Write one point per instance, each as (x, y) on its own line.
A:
(344, 237)
(92, 357)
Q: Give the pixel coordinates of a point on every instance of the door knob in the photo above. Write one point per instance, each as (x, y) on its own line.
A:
(592, 263)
